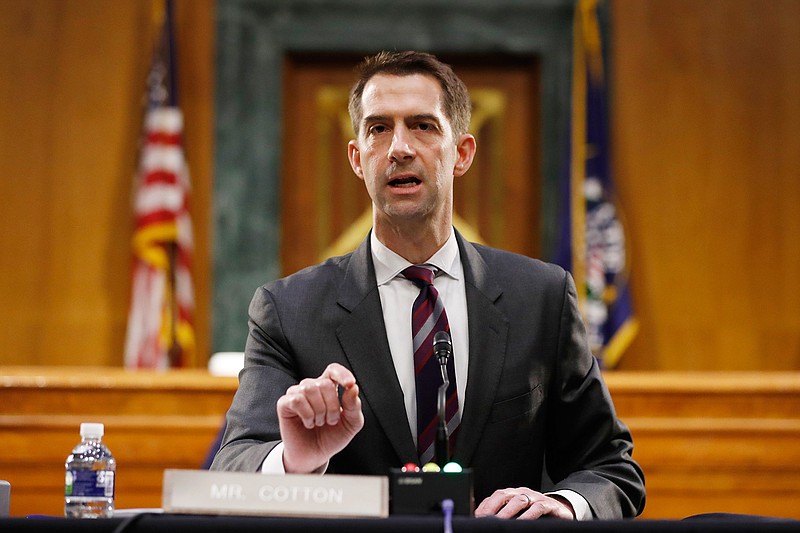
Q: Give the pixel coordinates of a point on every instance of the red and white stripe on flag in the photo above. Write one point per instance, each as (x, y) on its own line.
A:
(160, 331)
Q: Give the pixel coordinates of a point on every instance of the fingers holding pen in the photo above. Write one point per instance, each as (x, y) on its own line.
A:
(316, 422)
(315, 401)
(310, 401)
(350, 402)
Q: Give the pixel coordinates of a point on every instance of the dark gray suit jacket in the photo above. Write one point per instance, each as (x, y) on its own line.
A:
(534, 393)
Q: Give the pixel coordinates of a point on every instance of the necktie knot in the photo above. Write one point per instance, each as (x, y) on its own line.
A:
(421, 276)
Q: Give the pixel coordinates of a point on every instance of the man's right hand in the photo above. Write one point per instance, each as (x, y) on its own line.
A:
(314, 424)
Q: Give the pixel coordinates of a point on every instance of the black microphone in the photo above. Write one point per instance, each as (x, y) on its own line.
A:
(443, 348)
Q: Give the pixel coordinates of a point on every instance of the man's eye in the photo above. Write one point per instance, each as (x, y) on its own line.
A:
(424, 126)
(377, 129)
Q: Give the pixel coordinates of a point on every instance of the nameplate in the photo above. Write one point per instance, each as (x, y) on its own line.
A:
(206, 492)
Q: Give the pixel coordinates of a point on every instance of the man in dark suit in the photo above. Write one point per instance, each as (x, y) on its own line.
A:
(329, 378)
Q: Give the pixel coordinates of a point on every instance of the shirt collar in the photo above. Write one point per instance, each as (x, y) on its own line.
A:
(388, 264)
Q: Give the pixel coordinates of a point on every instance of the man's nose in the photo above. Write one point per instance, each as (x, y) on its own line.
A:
(402, 148)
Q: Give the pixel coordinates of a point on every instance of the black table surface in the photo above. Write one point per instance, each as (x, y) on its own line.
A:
(173, 523)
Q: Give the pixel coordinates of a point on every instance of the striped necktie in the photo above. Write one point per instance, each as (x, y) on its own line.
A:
(428, 317)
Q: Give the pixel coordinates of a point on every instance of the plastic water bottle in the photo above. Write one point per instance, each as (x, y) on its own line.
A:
(89, 482)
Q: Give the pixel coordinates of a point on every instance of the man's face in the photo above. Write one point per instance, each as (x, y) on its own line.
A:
(405, 151)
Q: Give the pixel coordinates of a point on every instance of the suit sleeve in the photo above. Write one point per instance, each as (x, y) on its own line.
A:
(252, 429)
(591, 449)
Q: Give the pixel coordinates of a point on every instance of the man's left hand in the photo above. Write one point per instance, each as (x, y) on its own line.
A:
(524, 503)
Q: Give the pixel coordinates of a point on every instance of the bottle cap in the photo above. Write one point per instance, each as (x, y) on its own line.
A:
(91, 430)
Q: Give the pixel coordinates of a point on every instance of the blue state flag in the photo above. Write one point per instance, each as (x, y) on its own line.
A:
(591, 242)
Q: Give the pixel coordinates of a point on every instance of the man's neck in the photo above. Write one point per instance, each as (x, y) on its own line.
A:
(415, 242)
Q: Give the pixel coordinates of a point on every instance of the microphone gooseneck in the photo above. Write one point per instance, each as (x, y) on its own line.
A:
(443, 349)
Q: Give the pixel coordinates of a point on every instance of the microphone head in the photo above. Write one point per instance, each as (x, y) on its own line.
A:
(442, 346)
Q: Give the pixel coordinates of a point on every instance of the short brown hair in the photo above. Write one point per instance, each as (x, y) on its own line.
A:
(457, 106)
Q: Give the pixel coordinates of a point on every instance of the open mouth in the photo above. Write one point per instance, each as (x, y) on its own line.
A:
(405, 181)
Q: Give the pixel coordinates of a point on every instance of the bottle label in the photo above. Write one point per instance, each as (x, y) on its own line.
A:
(89, 483)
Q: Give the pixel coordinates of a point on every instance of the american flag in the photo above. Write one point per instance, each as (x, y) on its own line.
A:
(160, 330)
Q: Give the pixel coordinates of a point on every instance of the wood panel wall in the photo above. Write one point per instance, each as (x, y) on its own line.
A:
(71, 108)
(706, 149)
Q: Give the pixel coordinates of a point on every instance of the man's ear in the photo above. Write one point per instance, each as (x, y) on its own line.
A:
(354, 156)
(465, 153)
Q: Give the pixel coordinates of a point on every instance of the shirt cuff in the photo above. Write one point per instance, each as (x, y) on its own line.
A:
(273, 463)
(579, 503)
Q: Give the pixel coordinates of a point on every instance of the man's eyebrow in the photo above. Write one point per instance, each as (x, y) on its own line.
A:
(375, 118)
(430, 117)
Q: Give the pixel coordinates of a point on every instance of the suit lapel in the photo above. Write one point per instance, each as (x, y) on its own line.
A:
(488, 334)
(362, 336)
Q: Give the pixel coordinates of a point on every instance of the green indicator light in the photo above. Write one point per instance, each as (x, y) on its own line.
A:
(452, 468)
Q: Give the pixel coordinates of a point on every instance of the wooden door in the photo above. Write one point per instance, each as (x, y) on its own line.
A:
(325, 208)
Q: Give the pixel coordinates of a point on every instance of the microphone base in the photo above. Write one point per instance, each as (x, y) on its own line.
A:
(421, 493)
